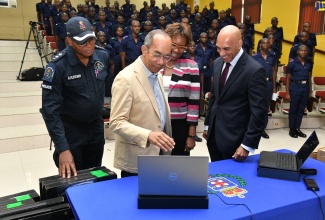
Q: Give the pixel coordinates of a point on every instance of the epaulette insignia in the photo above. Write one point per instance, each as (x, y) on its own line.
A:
(59, 55)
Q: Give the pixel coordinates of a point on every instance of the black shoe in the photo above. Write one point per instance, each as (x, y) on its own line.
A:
(293, 133)
(264, 135)
(300, 134)
(197, 139)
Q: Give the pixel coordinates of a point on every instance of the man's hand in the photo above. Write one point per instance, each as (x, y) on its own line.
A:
(66, 164)
(162, 140)
(190, 144)
(205, 134)
(240, 154)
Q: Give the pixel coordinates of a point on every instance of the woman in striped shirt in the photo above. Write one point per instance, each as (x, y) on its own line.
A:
(182, 86)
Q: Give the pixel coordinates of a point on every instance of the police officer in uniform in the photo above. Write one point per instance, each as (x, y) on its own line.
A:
(72, 100)
(61, 31)
(131, 45)
(269, 61)
(205, 52)
(298, 89)
(115, 42)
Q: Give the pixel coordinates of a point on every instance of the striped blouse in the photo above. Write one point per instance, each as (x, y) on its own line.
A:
(184, 94)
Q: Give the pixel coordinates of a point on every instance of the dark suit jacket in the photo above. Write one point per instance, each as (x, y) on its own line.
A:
(238, 113)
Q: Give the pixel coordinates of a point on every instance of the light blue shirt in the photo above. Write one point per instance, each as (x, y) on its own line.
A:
(153, 79)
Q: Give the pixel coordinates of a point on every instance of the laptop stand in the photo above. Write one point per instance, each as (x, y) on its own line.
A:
(173, 202)
(278, 174)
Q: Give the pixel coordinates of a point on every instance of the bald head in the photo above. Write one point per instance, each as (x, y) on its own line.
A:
(229, 42)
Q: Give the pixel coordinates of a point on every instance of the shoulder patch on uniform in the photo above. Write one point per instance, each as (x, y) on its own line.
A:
(48, 74)
(59, 55)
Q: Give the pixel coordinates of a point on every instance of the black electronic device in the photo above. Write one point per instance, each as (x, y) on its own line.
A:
(287, 166)
(311, 184)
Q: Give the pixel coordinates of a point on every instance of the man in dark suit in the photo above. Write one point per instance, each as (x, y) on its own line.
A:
(236, 111)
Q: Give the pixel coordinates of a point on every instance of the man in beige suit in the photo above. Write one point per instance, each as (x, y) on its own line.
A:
(140, 116)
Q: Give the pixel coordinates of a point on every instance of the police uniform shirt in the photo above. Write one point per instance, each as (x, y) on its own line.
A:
(311, 39)
(116, 45)
(131, 48)
(250, 28)
(107, 29)
(71, 90)
(196, 31)
(45, 9)
(55, 14)
(293, 51)
(268, 64)
(299, 71)
(110, 18)
(61, 31)
(205, 55)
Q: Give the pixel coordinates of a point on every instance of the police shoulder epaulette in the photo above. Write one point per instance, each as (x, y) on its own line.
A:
(296, 45)
(99, 47)
(126, 36)
(255, 54)
(59, 55)
(113, 38)
(140, 33)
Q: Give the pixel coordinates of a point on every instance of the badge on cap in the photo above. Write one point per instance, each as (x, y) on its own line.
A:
(82, 26)
(99, 66)
(48, 74)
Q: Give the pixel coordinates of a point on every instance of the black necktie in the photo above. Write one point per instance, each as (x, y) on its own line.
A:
(223, 77)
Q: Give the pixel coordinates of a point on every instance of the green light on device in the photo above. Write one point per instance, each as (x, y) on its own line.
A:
(23, 197)
(99, 173)
(14, 205)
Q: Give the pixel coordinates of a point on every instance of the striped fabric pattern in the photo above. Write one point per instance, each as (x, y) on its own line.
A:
(184, 94)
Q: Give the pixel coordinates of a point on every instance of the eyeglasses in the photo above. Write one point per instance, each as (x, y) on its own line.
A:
(158, 56)
(91, 41)
(181, 48)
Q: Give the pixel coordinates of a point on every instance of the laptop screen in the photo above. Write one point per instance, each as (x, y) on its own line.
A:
(308, 147)
(173, 175)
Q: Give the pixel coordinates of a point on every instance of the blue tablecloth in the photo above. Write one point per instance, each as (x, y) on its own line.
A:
(266, 198)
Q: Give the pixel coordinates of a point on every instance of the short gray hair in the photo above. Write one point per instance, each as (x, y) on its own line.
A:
(149, 38)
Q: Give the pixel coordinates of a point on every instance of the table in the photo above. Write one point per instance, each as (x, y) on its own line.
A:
(266, 198)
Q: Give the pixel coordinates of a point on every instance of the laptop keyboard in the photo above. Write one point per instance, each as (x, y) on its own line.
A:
(285, 161)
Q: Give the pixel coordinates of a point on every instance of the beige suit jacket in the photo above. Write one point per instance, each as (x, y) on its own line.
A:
(134, 114)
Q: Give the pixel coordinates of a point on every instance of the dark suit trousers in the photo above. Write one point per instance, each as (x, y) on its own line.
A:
(215, 154)
(180, 134)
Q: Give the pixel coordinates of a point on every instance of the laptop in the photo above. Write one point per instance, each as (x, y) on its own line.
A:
(289, 161)
(167, 175)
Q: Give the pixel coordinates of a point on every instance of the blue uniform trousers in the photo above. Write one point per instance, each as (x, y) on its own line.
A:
(299, 94)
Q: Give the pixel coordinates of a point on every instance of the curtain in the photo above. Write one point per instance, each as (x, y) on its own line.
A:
(253, 8)
(236, 9)
(309, 14)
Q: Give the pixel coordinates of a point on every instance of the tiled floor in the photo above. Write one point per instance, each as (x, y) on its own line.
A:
(21, 170)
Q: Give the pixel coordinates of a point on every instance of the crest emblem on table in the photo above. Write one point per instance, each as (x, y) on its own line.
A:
(222, 183)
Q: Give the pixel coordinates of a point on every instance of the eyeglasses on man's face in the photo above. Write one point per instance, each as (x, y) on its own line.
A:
(158, 56)
(179, 47)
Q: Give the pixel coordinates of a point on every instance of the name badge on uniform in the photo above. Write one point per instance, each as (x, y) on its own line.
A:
(44, 86)
(99, 66)
(74, 77)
